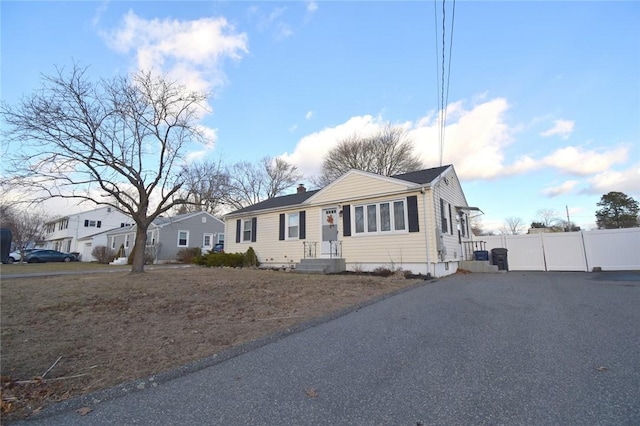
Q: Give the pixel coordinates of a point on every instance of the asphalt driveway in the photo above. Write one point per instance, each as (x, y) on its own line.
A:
(516, 348)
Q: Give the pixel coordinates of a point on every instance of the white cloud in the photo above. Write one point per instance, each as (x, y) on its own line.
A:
(564, 188)
(563, 128)
(572, 159)
(190, 51)
(312, 6)
(627, 181)
(312, 148)
(210, 137)
(308, 115)
(476, 141)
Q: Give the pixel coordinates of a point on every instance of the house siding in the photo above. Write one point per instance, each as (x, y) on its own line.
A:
(358, 185)
(168, 234)
(74, 229)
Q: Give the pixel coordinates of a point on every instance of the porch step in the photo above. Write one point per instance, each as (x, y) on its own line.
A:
(321, 266)
(119, 261)
(478, 266)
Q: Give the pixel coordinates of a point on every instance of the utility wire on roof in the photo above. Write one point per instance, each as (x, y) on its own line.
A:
(442, 70)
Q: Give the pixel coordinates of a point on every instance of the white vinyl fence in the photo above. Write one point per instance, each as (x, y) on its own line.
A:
(608, 249)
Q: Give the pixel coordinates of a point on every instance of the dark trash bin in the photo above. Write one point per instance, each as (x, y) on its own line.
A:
(481, 255)
(499, 258)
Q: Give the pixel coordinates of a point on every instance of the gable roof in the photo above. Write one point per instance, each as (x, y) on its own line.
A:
(418, 177)
(422, 176)
(160, 222)
(282, 201)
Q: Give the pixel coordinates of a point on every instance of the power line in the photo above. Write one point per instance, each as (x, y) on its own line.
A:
(443, 69)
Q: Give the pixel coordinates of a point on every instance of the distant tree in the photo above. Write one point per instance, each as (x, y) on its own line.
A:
(537, 225)
(116, 141)
(205, 186)
(388, 152)
(251, 183)
(618, 210)
(547, 217)
(27, 227)
(512, 225)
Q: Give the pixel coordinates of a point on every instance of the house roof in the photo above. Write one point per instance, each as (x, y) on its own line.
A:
(161, 222)
(422, 176)
(418, 177)
(282, 201)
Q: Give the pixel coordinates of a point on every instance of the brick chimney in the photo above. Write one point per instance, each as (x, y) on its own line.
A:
(301, 188)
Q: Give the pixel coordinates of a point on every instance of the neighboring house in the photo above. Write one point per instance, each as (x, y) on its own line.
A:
(64, 233)
(416, 222)
(168, 235)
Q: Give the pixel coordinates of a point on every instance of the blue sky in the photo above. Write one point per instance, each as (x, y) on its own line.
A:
(544, 97)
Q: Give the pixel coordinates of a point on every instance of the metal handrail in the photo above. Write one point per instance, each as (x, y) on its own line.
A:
(310, 249)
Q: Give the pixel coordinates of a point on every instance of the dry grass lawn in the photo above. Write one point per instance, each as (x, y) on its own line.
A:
(110, 328)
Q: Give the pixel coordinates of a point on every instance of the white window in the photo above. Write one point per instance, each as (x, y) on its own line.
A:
(151, 240)
(246, 230)
(207, 240)
(68, 246)
(293, 225)
(220, 238)
(113, 243)
(183, 238)
(126, 241)
(380, 218)
(204, 219)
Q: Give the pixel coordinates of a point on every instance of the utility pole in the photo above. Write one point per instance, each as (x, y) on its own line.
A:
(568, 219)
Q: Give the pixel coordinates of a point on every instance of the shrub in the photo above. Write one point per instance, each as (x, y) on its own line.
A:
(383, 272)
(103, 254)
(251, 259)
(188, 255)
(213, 260)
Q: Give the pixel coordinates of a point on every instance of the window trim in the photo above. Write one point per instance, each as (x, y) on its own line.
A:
(365, 208)
(288, 226)
(126, 240)
(244, 230)
(186, 239)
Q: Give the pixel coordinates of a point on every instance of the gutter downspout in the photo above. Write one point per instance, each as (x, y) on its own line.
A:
(423, 190)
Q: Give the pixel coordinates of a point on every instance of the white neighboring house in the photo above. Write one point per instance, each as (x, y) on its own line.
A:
(69, 233)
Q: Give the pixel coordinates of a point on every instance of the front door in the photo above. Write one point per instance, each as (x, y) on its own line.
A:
(330, 232)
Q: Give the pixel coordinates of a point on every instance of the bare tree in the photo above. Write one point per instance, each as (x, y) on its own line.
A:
(388, 152)
(547, 217)
(205, 186)
(251, 183)
(27, 227)
(115, 142)
(512, 225)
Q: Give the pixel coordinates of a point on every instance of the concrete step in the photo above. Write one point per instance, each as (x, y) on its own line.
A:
(479, 266)
(321, 266)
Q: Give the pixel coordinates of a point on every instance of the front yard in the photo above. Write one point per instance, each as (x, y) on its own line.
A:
(107, 329)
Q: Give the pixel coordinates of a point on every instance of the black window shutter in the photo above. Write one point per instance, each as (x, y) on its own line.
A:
(281, 234)
(450, 221)
(254, 223)
(303, 225)
(86, 223)
(346, 220)
(238, 225)
(99, 223)
(412, 212)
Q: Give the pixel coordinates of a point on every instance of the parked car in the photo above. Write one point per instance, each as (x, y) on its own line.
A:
(15, 256)
(218, 248)
(37, 256)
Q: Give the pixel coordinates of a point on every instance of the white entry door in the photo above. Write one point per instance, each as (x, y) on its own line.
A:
(330, 232)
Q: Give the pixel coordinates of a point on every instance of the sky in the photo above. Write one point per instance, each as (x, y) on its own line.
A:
(543, 100)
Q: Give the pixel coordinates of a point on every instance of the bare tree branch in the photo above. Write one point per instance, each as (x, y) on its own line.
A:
(115, 142)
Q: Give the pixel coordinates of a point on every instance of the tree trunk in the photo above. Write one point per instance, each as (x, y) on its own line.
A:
(138, 250)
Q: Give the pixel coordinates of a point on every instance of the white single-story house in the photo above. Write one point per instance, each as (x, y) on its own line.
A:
(416, 222)
(166, 236)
